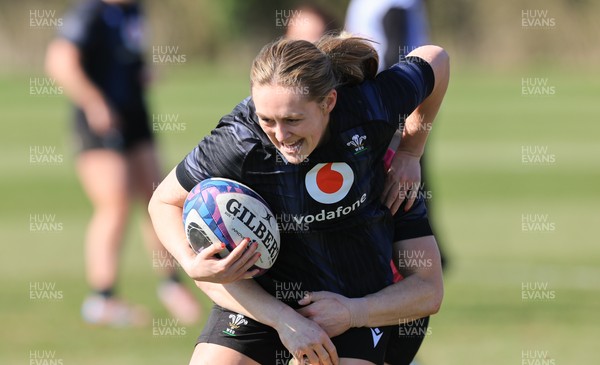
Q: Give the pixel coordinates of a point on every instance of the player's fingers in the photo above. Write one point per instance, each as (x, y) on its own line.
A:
(396, 197)
(310, 357)
(250, 274)
(324, 357)
(331, 350)
(237, 252)
(388, 185)
(245, 261)
(212, 250)
(396, 205)
(412, 196)
(306, 299)
(391, 197)
(243, 270)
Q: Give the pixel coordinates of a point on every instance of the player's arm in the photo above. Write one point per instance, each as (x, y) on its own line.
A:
(421, 291)
(299, 335)
(404, 174)
(419, 122)
(165, 208)
(63, 63)
(418, 295)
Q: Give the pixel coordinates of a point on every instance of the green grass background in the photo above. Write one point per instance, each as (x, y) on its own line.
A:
(480, 186)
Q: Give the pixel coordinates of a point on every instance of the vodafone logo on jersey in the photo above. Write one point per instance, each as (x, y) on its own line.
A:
(329, 183)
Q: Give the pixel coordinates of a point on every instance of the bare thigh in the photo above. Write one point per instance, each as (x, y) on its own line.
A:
(209, 354)
(145, 170)
(104, 176)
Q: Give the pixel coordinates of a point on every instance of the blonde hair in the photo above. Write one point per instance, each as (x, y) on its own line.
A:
(318, 68)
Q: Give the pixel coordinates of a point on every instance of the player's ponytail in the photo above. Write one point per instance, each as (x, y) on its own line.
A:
(354, 59)
(313, 70)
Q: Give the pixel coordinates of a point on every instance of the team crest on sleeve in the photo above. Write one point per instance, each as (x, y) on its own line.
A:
(329, 183)
(358, 143)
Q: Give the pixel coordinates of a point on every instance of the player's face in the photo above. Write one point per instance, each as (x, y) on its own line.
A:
(294, 124)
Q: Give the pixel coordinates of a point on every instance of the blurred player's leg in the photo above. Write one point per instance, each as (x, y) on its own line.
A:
(175, 296)
(103, 174)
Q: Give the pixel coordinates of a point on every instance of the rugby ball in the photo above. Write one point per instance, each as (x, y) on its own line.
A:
(223, 210)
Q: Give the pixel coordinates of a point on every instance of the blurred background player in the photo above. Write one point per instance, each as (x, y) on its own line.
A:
(309, 22)
(98, 59)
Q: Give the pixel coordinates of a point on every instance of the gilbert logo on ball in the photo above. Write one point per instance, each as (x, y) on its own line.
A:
(222, 210)
(329, 183)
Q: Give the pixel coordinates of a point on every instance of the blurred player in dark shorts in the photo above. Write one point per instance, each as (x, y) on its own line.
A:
(98, 59)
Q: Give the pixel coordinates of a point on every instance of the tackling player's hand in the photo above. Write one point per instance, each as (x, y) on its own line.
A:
(334, 312)
(402, 181)
(206, 266)
(306, 340)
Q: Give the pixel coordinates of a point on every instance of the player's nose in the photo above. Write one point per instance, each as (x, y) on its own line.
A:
(281, 132)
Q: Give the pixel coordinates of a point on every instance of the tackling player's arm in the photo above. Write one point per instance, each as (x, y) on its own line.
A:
(299, 335)
(419, 122)
(418, 295)
(405, 169)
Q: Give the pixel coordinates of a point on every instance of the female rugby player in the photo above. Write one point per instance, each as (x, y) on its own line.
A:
(98, 59)
(311, 141)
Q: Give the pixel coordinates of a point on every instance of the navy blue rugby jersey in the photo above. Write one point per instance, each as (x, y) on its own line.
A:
(110, 39)
(336, 235)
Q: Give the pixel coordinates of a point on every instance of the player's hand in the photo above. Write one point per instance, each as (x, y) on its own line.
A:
(206, 266)
(101, 117)
(306, 341)
(333, 312)
(402, 182)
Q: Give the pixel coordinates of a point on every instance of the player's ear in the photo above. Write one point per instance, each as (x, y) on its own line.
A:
(329, 101)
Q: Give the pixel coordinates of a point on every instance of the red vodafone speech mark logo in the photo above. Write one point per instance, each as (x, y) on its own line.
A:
(329, 183)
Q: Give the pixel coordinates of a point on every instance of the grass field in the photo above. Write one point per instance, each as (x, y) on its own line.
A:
(512, 229)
